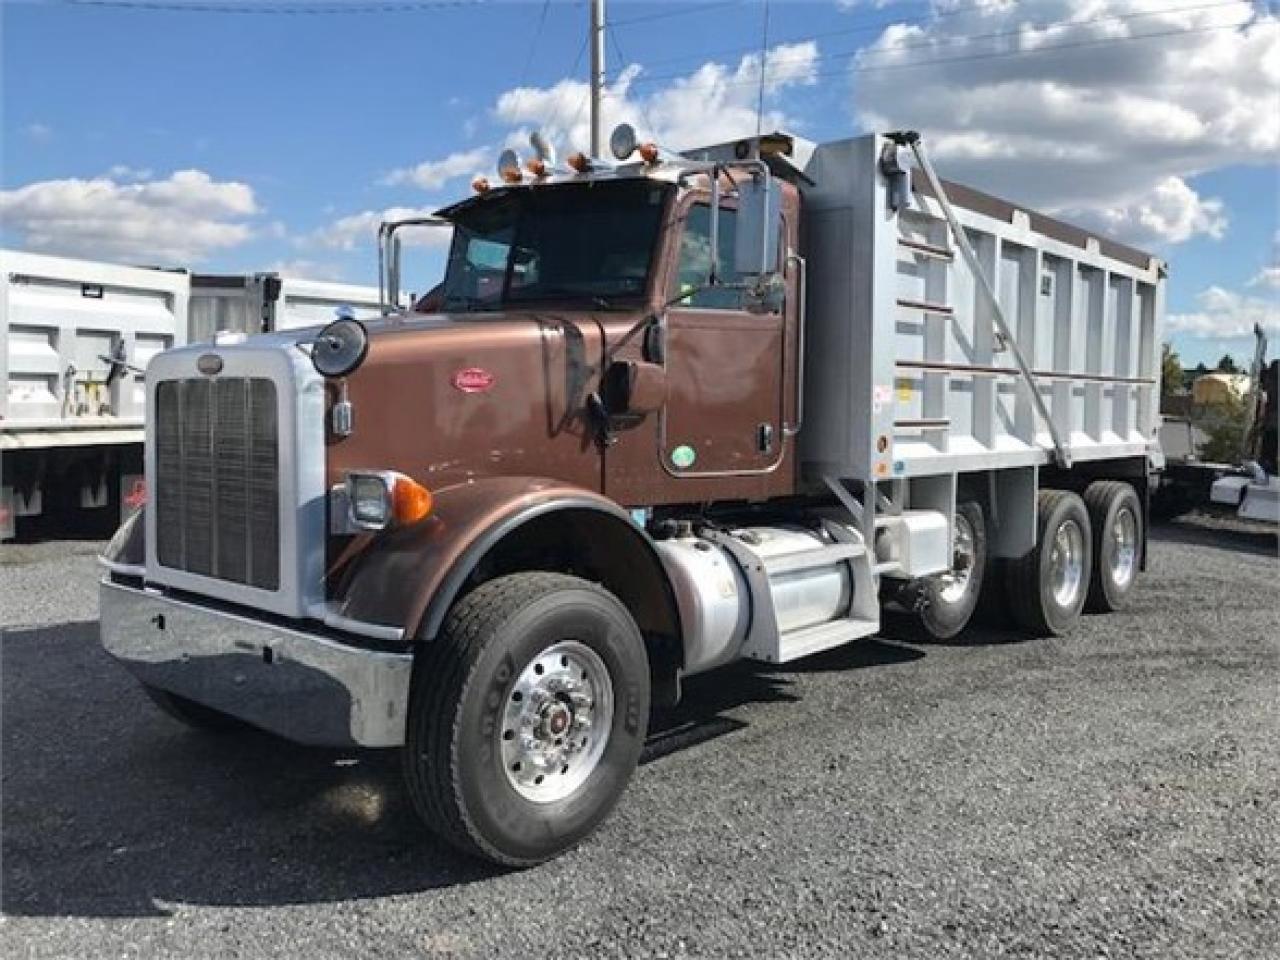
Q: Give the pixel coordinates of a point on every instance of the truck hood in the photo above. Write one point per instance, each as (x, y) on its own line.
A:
(448, 398)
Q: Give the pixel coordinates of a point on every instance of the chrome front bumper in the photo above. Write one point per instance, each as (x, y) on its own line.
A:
(304, 687)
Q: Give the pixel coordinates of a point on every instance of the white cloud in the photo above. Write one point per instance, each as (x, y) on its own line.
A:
(1269, 276)
(712, 103)
(181, 219)
(1171, 212)
(307, 269)
(121, 171)
(1107, 132)
(360, 230)
(434, 174)
(38, 132)
(1225, 314)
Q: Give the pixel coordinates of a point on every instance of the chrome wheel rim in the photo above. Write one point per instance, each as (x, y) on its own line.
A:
(955, 583)
(1124, 555)
(556, 722)
(1066, 563)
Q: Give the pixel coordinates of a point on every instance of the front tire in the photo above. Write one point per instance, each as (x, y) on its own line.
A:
(1047, 587)
(1116, 516)
(527, 717)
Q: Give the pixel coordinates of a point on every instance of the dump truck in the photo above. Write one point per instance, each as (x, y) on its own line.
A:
(75, 339)
(1249, 486)
(75, 336)
(665, 412)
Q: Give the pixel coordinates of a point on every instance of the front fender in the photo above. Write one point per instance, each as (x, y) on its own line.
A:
(409, 578)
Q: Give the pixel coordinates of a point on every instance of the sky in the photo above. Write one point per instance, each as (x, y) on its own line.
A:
(276, 134)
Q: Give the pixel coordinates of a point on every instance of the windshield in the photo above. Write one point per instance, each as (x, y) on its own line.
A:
(589, 242)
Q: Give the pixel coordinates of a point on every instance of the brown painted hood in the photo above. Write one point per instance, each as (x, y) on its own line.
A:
(449, 398)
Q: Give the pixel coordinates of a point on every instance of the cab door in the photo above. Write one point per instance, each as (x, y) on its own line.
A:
(724, 350)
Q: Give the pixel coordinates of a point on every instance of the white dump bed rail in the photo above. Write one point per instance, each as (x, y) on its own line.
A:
(75, 336)
(907, 374)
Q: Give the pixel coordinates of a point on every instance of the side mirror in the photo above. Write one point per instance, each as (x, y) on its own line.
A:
(634, 387)
(389, 258)
(755, 249)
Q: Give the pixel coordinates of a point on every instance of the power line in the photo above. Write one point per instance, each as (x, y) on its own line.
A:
(682, 11)
(286, 7)
(549, 122)
(533, 47)
(863, 27)
(995, 35)
(622, 58)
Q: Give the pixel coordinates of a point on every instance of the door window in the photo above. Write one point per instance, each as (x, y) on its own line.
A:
(695, 266)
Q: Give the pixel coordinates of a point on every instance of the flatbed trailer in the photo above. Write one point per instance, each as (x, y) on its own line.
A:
(665, 413)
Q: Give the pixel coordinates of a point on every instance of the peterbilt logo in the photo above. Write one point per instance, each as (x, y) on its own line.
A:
(473, 380)
(209, 364)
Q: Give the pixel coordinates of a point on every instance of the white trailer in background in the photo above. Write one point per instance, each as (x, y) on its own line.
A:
(260, 302)
(75, 338)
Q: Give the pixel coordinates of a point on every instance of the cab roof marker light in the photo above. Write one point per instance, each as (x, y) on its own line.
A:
(480, 184)
(509, 167)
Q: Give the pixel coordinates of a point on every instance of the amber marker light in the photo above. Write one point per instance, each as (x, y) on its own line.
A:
(480, 184)
(580, 162)
(411, 501)
(649, 152)
(536, 166)
(380, 499)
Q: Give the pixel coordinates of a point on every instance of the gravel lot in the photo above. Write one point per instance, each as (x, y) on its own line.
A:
(1112, 794)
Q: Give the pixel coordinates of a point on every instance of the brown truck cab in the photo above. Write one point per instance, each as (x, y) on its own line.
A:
(662, 414)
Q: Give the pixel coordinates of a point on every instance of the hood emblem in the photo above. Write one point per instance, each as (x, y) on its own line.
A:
(473, 380)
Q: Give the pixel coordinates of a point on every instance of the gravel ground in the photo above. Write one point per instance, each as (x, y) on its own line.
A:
(1112, 794)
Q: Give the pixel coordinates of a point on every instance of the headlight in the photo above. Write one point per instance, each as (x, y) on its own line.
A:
(384, 498)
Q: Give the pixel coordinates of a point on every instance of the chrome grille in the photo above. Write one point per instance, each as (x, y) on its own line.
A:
(217, 479)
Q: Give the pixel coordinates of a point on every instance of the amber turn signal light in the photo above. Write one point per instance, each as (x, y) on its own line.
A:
(649, 152)
(411, 501)
(580, 162)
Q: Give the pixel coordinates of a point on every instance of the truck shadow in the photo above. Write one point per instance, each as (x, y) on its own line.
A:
(112, 809)
(1206, 530)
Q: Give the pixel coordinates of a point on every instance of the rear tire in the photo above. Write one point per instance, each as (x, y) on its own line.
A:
(1047, 587)
(1115, 513)
(194, 715)
(943, 604)
(527, 717)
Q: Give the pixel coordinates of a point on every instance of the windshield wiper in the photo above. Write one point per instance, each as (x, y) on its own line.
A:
(470, 304)
(570, 293)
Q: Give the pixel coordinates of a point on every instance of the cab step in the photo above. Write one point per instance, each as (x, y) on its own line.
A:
(823, 636)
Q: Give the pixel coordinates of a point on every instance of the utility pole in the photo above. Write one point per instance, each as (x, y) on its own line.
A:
(597, 75)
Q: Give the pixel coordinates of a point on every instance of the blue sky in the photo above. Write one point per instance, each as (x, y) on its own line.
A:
(296, 131)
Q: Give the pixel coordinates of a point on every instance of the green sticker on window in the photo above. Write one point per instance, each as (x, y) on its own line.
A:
(683, 456)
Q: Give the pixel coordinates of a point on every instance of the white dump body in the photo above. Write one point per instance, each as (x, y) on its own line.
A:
(904, 375)
(59, 318)
(305, 303)
(259, 302)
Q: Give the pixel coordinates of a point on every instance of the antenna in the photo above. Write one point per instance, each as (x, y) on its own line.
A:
(596, 41)
(764, 55)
